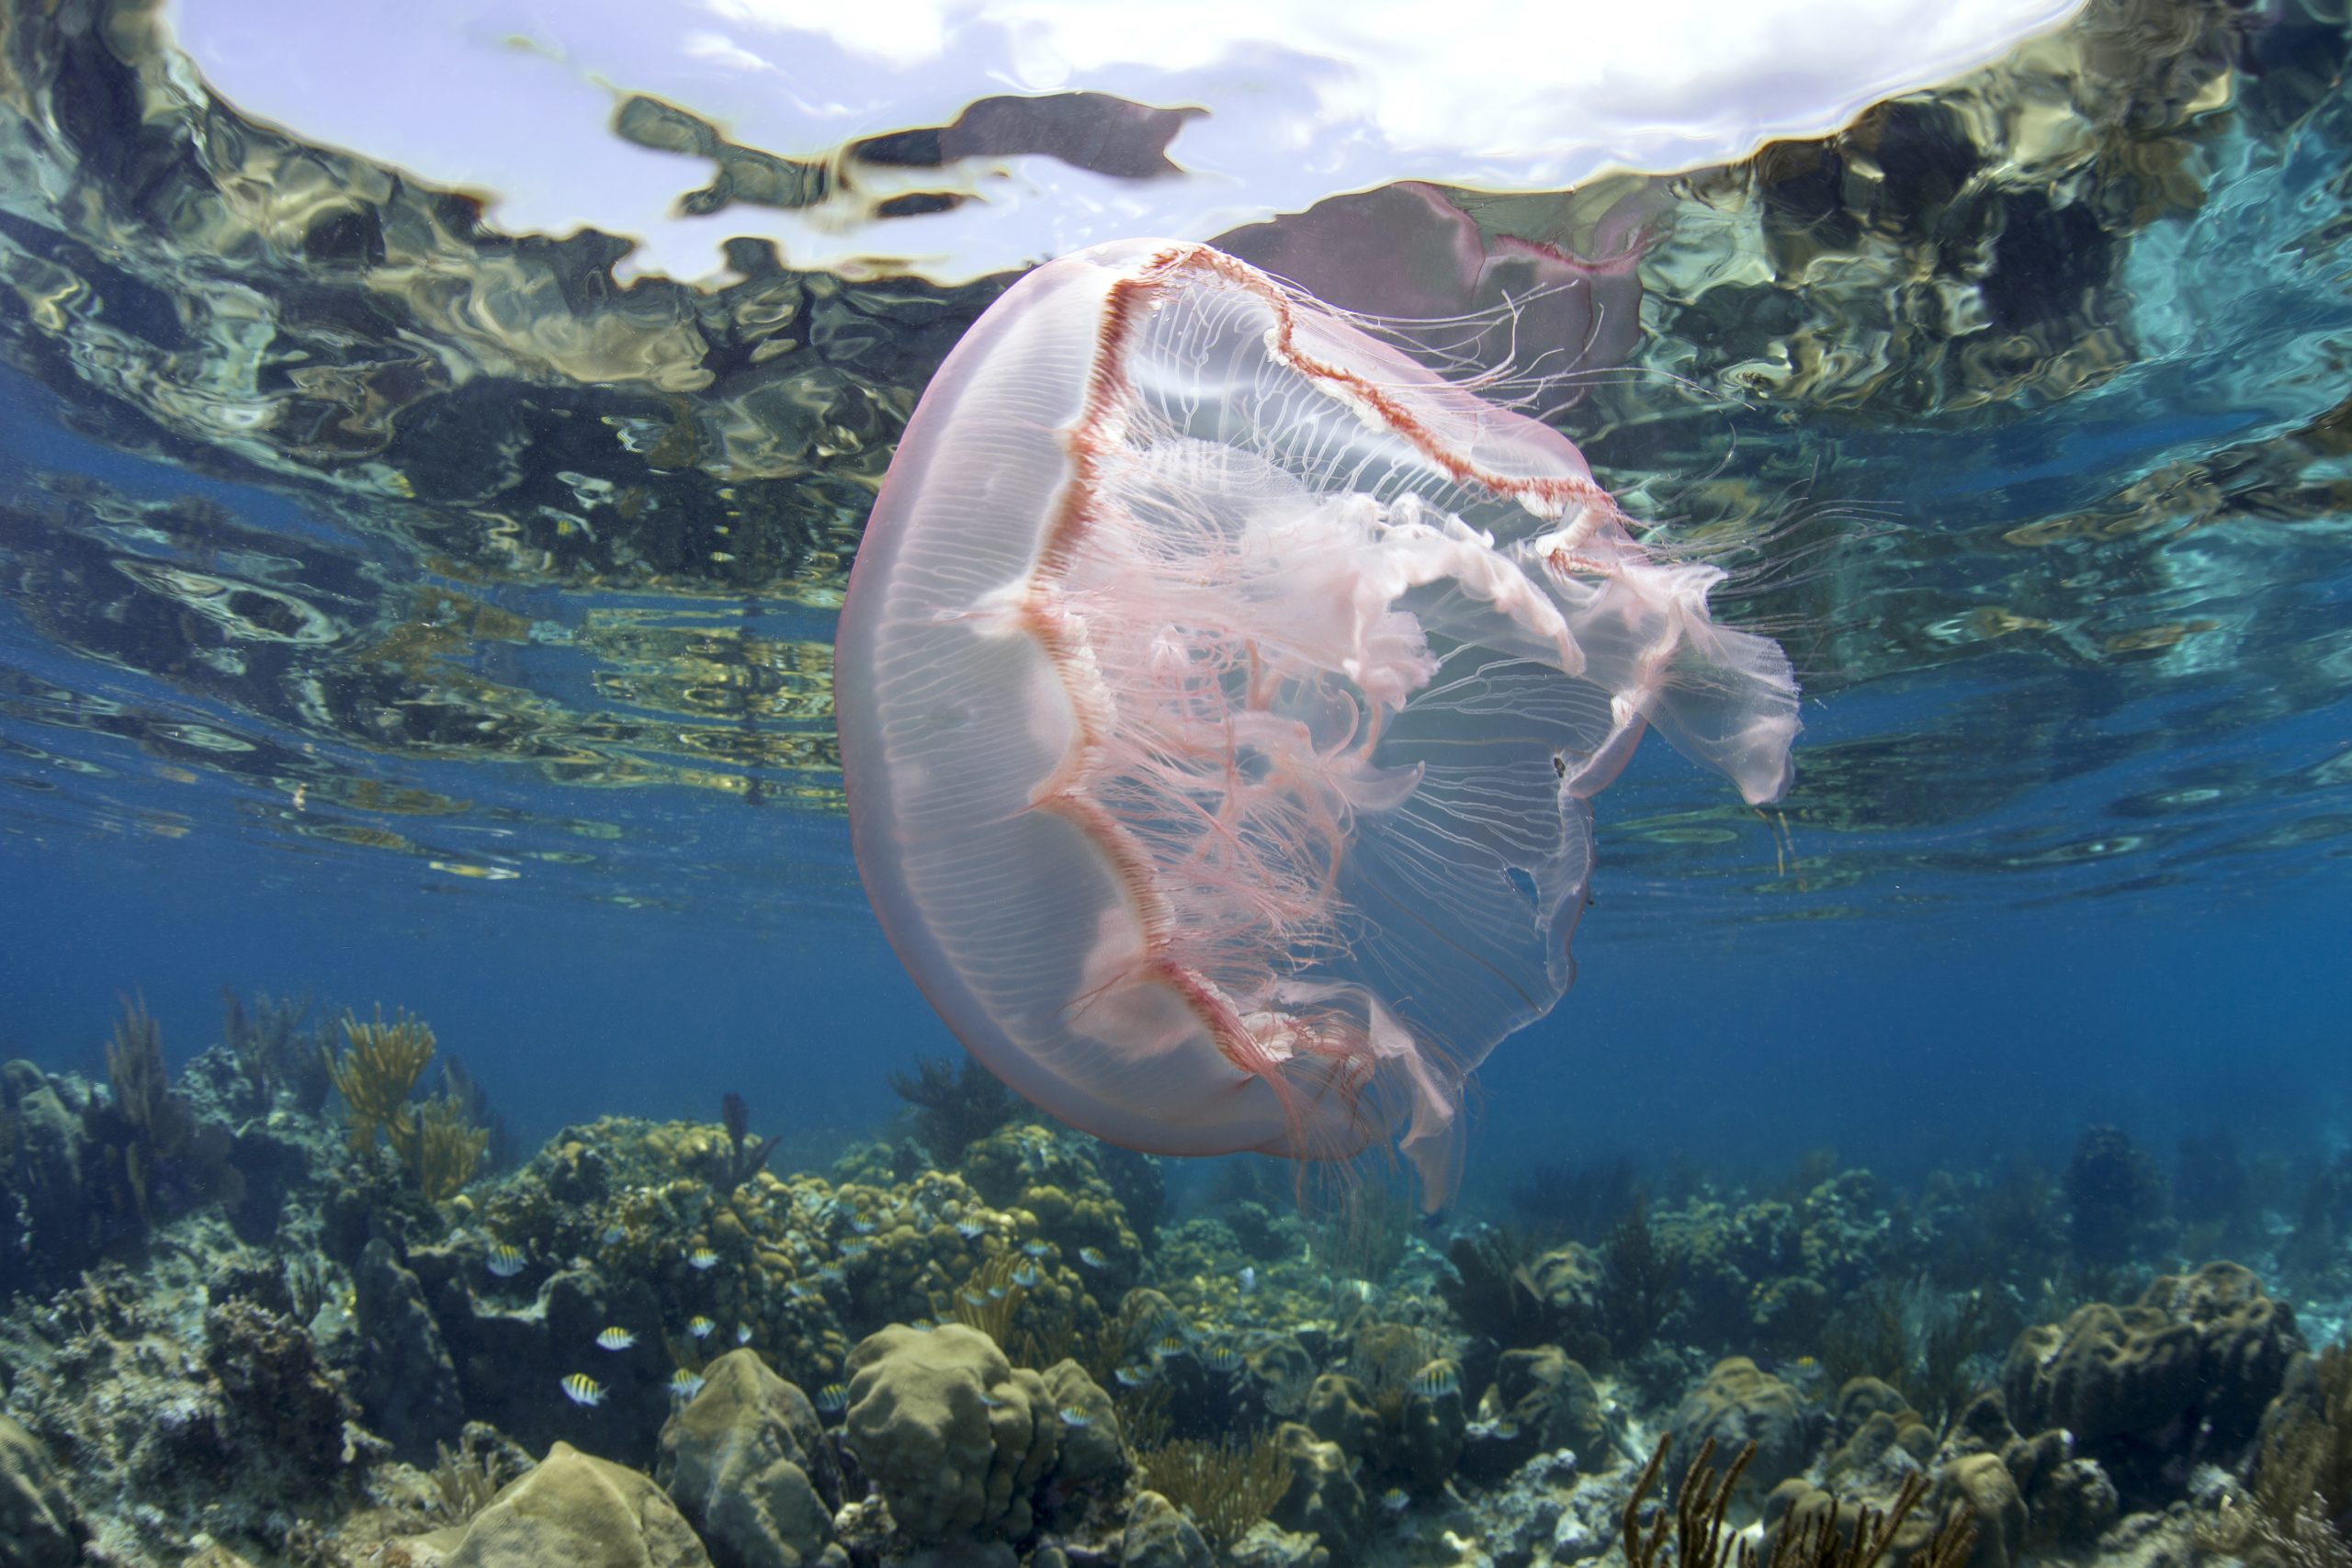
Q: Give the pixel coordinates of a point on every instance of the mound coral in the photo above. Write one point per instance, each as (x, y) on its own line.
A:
(952, 1435)
(2181, 1375)
(748, 1464)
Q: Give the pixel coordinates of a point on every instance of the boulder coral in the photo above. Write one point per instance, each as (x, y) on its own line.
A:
(2179, 1376)
(953, 1436)
(748, 1464)
(1542, 1401)
(1324, 1497)
(1739, 1403)
(1395, 1429)
(583, 1512)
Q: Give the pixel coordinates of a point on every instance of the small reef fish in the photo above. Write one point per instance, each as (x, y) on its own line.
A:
(685, 1384)
(617, 1340)
(742, 1334)
(1249, 1278)
(862, 1226)
(1396, 1499)
(581, 1389)
(1073, 1416)
(506, 1261)
(1168, 1345)
(852, 1251)
(1026, 1277)
(970, 1230)
(833, 1274)
(1221, 1359)
(1438, 1384)
(998, 1292)
(700, 1327)
(702, 1260)
(1035, 1248)
(972, 1297)
(1133, 1376)
(833, 1399)
(1092, 1258)
(614, 1236)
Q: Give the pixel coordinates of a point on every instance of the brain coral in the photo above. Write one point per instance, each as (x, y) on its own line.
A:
(952, 1435)
(1740, 1403)
(2183, 1372)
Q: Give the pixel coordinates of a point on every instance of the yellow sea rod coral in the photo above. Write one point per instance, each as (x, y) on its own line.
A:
(377, 1069)
(375, 1074)
(440, 1149)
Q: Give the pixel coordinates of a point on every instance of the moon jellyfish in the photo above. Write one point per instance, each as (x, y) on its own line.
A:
(1221, 698)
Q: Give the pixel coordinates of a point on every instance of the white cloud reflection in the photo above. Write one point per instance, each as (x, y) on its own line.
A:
(514, 99)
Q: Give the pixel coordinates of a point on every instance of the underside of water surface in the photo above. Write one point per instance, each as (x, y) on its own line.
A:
(407, 537)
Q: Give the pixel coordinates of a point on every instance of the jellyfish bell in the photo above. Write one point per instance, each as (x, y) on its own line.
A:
(1221, 695)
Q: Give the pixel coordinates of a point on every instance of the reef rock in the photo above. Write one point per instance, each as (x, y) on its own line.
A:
(1159, 1536)
(39, 1526)
(1984, 1483)
(1396, 1431)
(2180, 1376)
(41, 1170)
(581, 1512)
(1545, 1401)
(406, 1384)
(748, 1464)
(1740, 1403)
(1324, 1498)
(1874, 1433)
(291, 1408)
(951, 1434)
(1091, 1447)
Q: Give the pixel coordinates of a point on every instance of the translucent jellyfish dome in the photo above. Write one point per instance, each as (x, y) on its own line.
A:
(1221, 694)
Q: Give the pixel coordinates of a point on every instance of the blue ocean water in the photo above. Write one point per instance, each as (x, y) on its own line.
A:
(400, 611)
(2068, 840)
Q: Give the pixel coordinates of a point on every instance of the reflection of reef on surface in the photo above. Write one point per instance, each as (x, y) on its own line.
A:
(467, 500)
(663, 1337)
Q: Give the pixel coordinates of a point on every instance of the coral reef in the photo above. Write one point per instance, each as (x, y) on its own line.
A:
(274, 1051)
(39, 1527)
(2113, 1191)
(746, 1156)
(953, 1106)
(893, 1361)
(155, 1157)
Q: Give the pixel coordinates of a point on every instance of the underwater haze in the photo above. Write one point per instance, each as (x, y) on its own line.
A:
(455, 1077)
